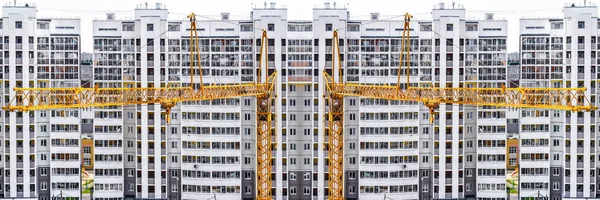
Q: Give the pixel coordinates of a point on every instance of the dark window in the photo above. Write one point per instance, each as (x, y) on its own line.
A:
(150, 27)
(449, 27)
(328, 27)
(271, 27)
(18, 25)
(581, 25)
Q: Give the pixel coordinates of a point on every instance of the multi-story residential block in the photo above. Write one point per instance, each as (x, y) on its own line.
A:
(41, 150)
(396, 154)
(558, 149)
(391, 148)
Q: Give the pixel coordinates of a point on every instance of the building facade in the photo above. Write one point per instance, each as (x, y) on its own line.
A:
(558, 149)
(391, 149)
(41, 154)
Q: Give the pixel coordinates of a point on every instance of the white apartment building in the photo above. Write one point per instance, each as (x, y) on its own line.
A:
(558, 149)
(40, 154)
(208, 149)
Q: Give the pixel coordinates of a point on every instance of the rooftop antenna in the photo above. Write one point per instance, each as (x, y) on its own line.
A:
(334, 3)
(453, 4)
(584, 2)
(265, 5)
(146, 5)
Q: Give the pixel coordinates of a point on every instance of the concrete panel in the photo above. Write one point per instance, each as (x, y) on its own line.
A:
(249, 182)
(300, 183)
(43, 179)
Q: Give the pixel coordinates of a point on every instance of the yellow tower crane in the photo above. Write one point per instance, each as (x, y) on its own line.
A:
(570, 99)
(31, 99)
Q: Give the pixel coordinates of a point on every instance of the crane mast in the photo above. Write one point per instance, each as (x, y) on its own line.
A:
(32, 99)
(568, 99)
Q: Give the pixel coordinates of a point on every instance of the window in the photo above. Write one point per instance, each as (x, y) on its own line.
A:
(353, 28)
(150, 27)
(351, 190)
(425, 174)
(512, 149)
(248, 190)
(425, 144)
(425, 28)
(425, 188)
(555, 186)
(271, 27)
(512, 161)
(469, 172)
(449, 27)
(352, 160)
(581, 24)
(292, 190)
(352, 175)
(471, 27)
(43, 172)
(328, 27)
(306, 175)
(44, 185)
(468, 187)
(18, 24)
(292, 175)
(306, 191)
(556, 25)
(128, 27)
(174, 188)
(43, 25)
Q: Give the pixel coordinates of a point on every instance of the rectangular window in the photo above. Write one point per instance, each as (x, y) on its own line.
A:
(150, 27)
(18, 25)
(306, 191)
(328, 27)
(271, 27)
(512, 149)
(471, 27)
(449, 27)
(556, 25)
(581, 24)
(425, 28)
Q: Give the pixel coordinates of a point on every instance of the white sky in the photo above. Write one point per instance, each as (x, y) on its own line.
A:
(512, 10)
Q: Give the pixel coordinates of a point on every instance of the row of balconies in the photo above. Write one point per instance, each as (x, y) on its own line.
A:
(151, 136)
(436, 166)
(152, 151)
(19, 150)
(579, 180)
(156, 195)
(152, 180)
(579, 165)
(20, 179)
(447, 151)
(19, 135)
(580, 150)
(448, 181)
(152, 165)
(449, 136)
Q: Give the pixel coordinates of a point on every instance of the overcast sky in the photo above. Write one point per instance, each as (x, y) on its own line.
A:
(512, 10)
